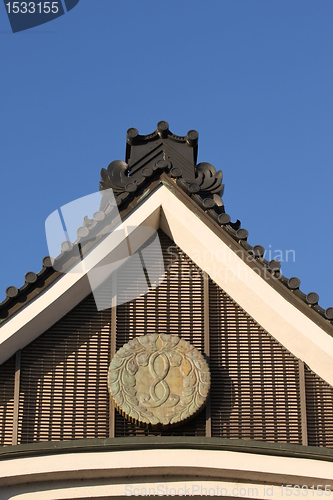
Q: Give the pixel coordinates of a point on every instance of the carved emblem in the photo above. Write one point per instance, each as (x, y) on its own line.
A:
(158, 380)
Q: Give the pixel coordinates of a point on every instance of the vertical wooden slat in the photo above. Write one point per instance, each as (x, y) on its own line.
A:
(113, 343)
(303, 402)
(16, 395)
(207, 348)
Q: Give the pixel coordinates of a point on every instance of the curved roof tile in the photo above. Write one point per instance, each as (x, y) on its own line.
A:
(147, 157)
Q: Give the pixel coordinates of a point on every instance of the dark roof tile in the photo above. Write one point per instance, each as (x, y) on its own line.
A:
(147, 156)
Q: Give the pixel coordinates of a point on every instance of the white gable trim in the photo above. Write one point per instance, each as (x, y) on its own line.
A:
(294, 330)
(64, 294)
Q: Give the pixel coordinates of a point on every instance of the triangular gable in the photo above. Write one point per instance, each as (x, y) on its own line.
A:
(256, 383)
(213, 251)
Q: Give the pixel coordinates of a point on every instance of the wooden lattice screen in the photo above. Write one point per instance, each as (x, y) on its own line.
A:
(63, 392)
(255, 390)
(319, 409)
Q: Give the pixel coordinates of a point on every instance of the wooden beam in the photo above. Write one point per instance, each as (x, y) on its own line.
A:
(303, 402)
(113, 348)
(207, 348)
(16, 396)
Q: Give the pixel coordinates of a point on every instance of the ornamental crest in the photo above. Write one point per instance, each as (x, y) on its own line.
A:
(158, 380)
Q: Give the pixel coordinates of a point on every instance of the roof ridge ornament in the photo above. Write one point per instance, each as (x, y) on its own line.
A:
(147, 155)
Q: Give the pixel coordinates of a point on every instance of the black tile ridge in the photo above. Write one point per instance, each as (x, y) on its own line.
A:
(201, 182)
(133, 138)
(205, 188)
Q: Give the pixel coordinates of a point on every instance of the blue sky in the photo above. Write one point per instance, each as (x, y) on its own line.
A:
(254, 77)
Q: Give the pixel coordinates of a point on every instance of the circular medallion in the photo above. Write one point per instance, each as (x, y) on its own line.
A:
(158, 380)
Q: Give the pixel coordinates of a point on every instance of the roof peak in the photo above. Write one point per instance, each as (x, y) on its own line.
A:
(147, 158)
(148, 155)
(187, 145)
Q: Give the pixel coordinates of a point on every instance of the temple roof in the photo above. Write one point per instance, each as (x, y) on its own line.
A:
(161, 157)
